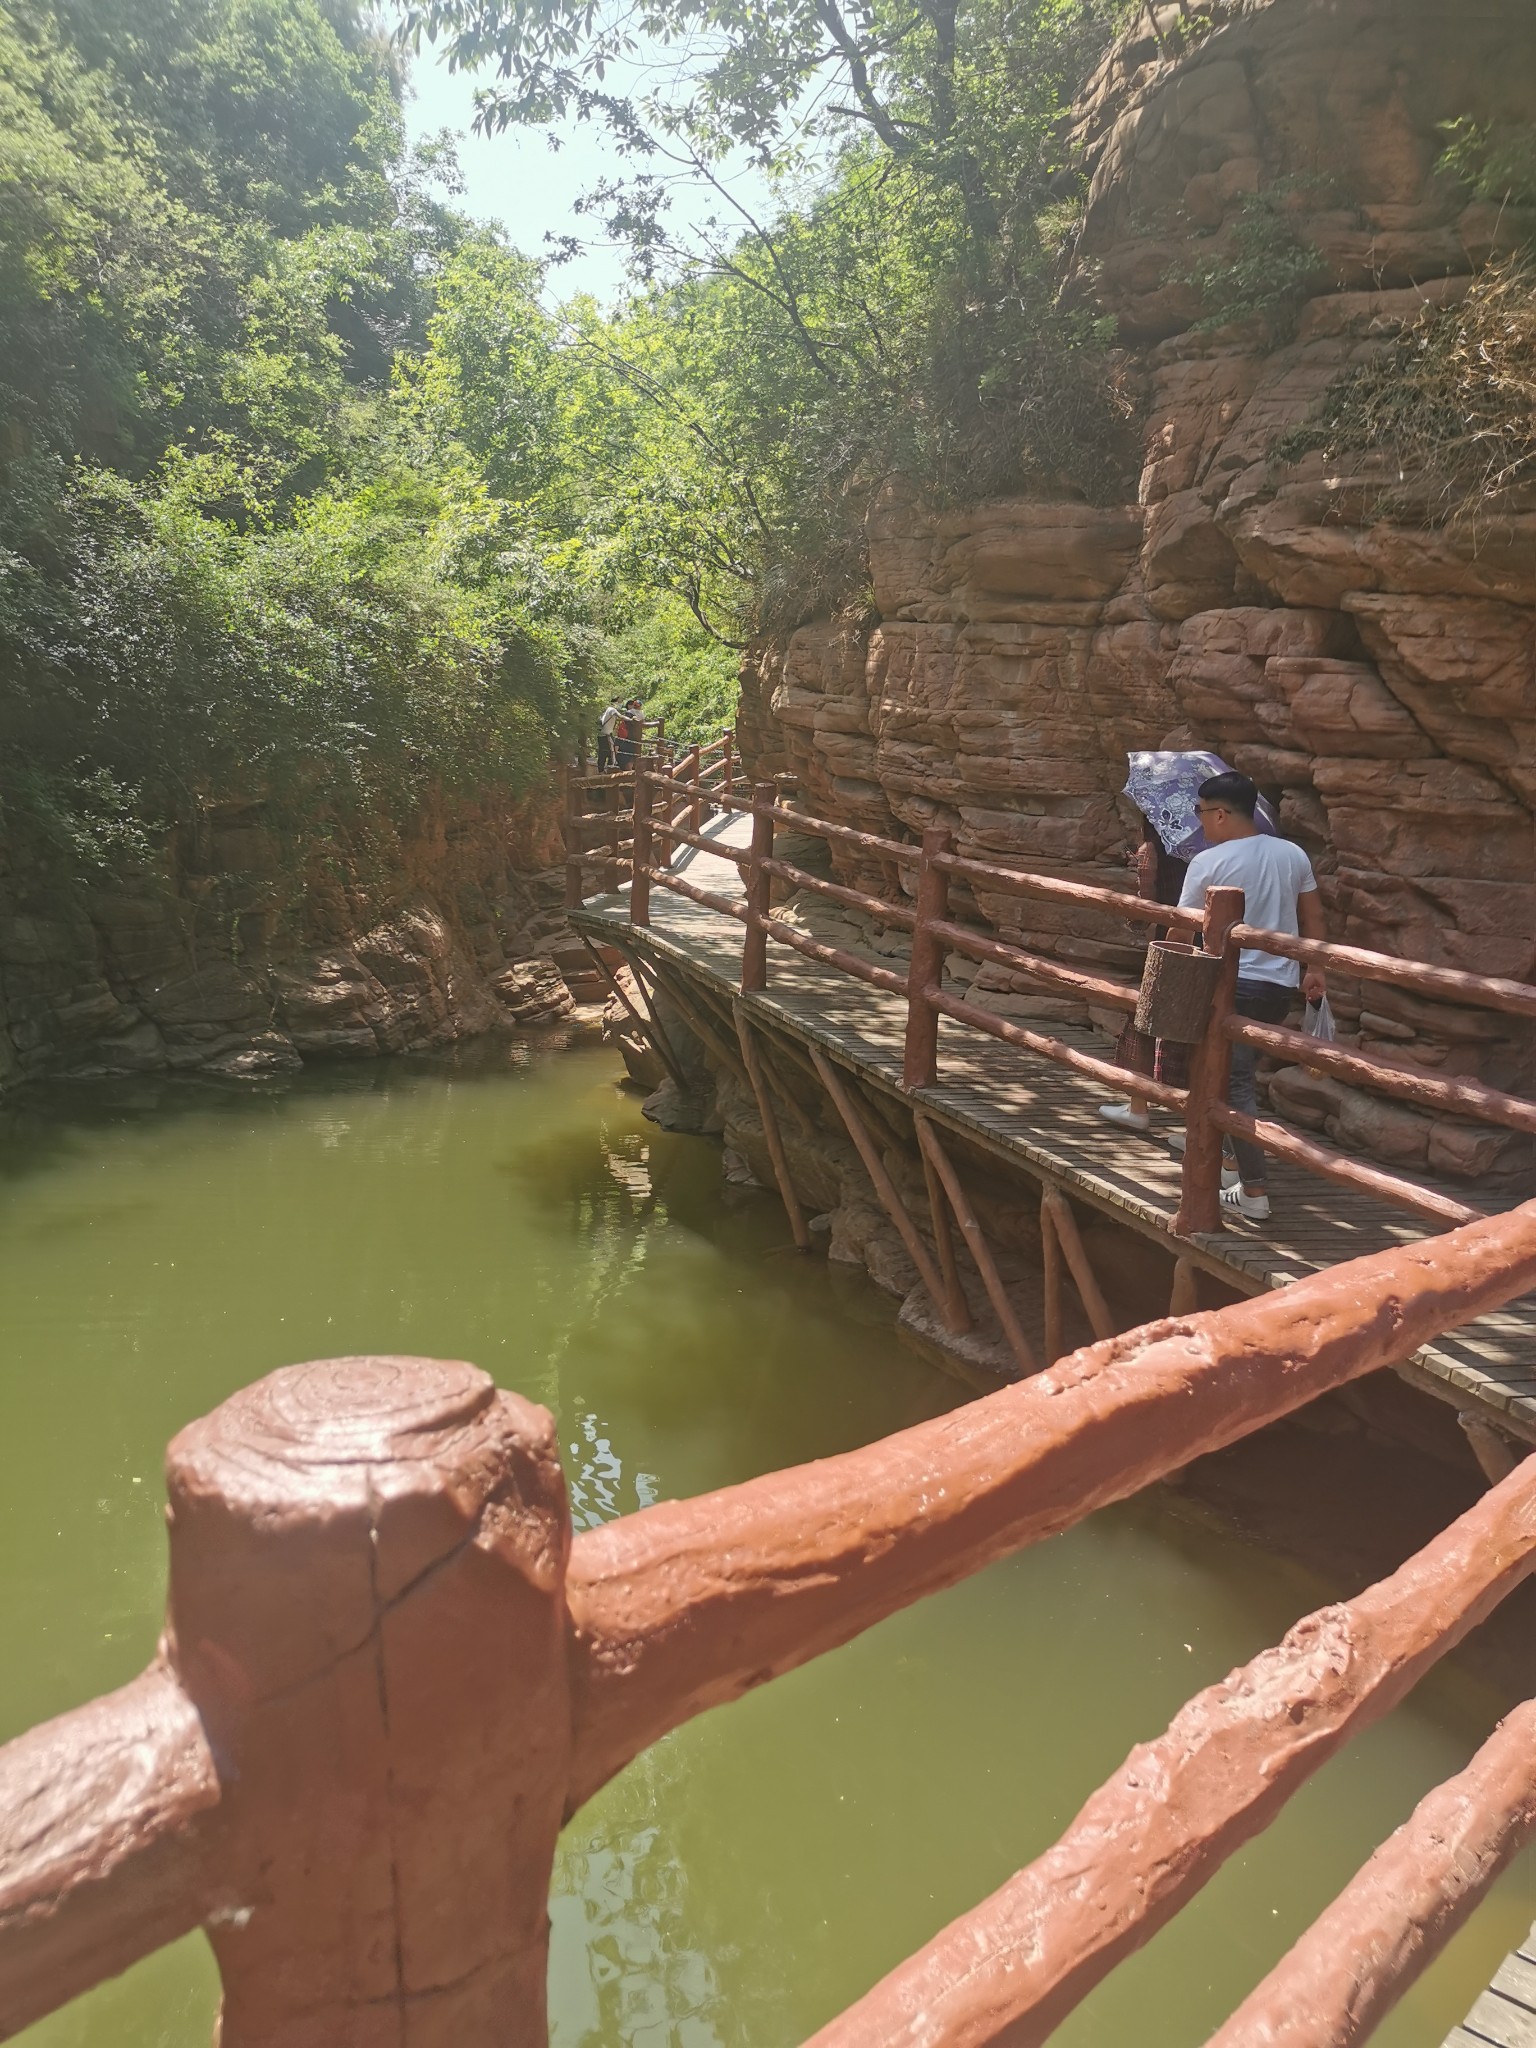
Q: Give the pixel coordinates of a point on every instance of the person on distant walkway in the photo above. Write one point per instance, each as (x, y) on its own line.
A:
(631, 725)
(1159, 878)
(1281, 896)
(607, 727)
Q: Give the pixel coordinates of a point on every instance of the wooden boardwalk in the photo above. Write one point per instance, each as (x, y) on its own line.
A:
(1044, 1118)
(1505, 2015)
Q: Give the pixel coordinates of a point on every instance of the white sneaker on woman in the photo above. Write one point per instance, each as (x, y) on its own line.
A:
(1254, 1208)
(1122, 1113)
(1229, 1173)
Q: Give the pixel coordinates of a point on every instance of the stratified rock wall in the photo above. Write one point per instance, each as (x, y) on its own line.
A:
(1377, 677)
(226, 959)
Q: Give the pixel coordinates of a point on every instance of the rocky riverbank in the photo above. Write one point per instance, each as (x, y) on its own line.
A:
(227, 958)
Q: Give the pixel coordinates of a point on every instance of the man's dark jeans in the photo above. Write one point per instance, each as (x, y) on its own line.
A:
(1265, 1002)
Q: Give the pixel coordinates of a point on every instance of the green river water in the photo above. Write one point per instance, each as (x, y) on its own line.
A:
(161, 1243)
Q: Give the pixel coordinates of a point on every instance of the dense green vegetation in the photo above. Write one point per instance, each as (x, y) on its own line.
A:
(308, 490)
(294, 491)
(893, 314)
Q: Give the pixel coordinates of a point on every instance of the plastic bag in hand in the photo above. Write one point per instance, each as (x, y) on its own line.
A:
(1318, 1022)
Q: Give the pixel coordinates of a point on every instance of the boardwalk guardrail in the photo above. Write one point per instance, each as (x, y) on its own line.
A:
(599, 806)
(929, 872)
(390, 1672)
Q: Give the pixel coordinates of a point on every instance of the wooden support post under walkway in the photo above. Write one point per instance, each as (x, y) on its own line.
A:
(1050, 1259)
(1064, 1227)
(956, 1305)
(885, 1187)
(714, 1039)
(1185, 1298)
(770, 1123)
(980, 1250)
(714, 1032)
(1497, 1457)
(649, 1029)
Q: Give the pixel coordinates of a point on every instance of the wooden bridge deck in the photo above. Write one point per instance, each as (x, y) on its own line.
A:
(1505, 2015)
(1044, 1118)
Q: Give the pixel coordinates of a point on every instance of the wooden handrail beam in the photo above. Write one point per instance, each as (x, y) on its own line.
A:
(1451, 1098)
(1387, 1926)
(834, 956)
(1349, 1173)
(1483, 991)
(817, 1554)
(705, 844)
(681, 886)
(1093, 988)
(1162, 1826)
(846, 835)
(1014, 882)
(852, 899)
(1084, 1063)
(105, 1816)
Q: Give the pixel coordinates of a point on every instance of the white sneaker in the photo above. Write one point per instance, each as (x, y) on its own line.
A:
(1229, 1173)
(1254, 1208)
(1122, 1113)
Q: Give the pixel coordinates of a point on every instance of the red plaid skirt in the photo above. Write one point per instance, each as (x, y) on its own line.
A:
(1163, 1059)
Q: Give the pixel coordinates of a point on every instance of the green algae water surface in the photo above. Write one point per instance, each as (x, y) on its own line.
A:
(162, 1243)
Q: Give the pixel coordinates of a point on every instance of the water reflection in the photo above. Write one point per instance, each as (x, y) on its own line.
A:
(163, 1243)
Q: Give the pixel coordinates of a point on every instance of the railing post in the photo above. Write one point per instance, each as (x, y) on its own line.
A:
(920, 1063)
(696, 807)
(1200, 1193)
(728, 763)
(754, 949)
(367, 1608)
(613, 803)
(573, 879)
(640, 872)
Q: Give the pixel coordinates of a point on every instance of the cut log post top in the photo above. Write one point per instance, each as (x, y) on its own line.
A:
(366, 1594)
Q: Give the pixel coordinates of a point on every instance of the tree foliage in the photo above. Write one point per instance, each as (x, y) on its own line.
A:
(305, 490)
(892, 312)
(290, 495)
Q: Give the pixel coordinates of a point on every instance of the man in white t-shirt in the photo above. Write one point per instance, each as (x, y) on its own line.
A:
(607, 726)
(1281, 896)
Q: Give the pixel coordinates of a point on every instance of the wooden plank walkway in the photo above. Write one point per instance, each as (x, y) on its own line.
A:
(1505, 2015)
(1045, 1118)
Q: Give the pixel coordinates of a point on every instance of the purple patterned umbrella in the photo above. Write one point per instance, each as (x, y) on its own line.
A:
(1165, 789)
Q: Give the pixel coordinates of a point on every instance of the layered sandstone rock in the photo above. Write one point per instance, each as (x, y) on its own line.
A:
(226, 959)
(1376, 676)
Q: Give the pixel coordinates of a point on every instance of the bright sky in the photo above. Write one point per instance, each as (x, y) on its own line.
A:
(517, 178)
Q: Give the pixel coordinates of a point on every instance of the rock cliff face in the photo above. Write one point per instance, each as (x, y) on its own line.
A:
(1376, 677)
(226, 959)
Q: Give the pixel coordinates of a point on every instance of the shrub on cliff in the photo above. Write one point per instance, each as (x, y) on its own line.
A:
(1450, 406)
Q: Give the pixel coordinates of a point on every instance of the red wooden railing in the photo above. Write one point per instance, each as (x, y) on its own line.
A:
(598, 808)
(927, 874)
(390, 1672)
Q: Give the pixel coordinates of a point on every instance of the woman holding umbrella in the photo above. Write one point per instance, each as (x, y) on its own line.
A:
(1159, 878)
(1165, 788)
